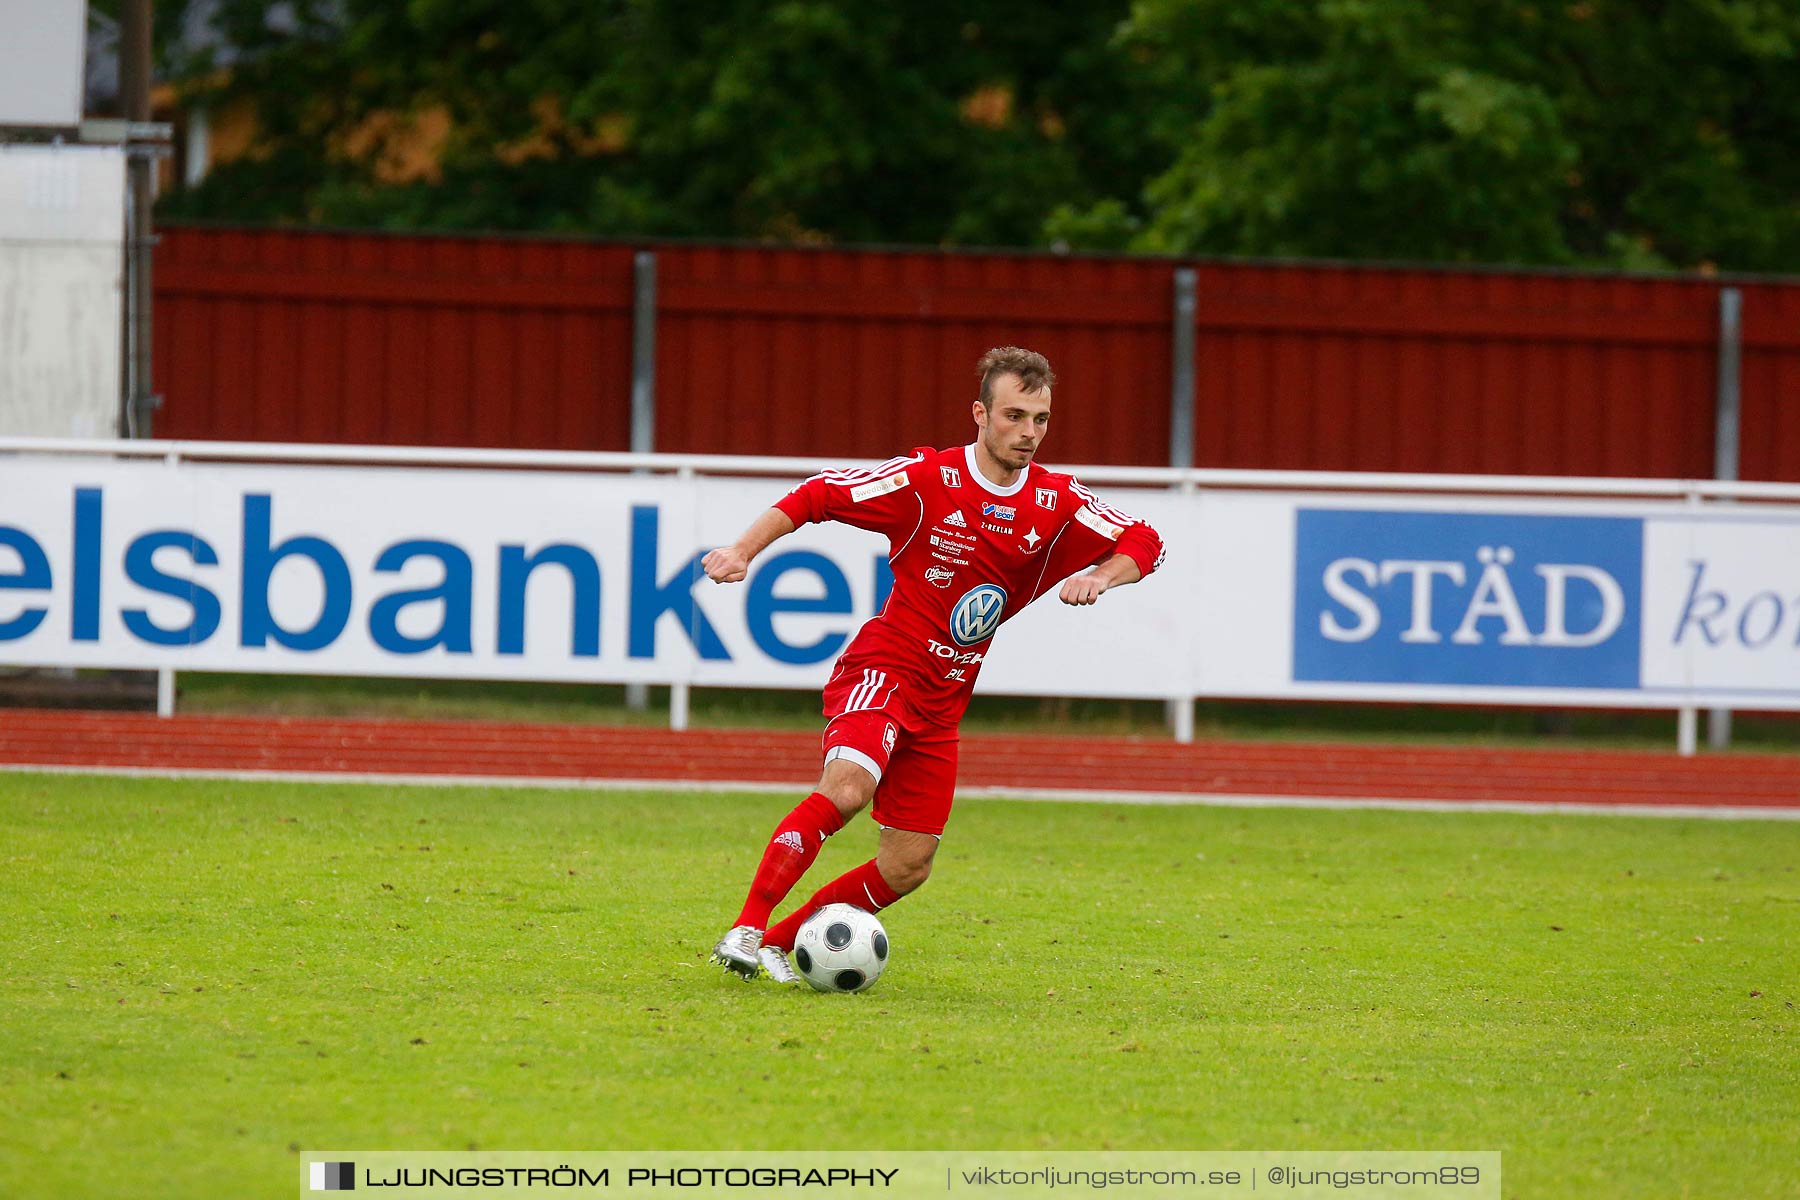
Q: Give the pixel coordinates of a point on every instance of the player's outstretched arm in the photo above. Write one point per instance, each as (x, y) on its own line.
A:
(729, 564)
(1088, 587)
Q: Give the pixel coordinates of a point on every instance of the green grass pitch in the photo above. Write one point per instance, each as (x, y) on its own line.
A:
(203, 977)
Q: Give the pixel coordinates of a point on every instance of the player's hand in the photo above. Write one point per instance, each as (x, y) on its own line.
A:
(1083, 589)
(727, 564)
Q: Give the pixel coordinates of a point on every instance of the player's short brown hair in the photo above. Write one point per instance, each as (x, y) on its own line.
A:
(1032, 368)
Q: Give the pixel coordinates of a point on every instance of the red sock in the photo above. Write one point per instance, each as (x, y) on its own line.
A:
(863, 887)
(791, 851)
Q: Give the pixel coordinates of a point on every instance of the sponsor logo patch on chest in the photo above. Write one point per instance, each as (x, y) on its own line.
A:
(999, 512)
(977, 615)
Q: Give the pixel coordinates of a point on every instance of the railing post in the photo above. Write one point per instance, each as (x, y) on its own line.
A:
(1180, 712)
(643, 353)
(643, 394)
(1181, 370)
(1727, 436)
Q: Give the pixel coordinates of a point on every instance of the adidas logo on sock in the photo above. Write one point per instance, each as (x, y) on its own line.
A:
(956, 519)
(793, 841)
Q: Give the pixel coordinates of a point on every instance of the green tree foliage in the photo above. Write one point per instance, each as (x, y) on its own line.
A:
(1629, 132)
(1623, 132)
(806, 120)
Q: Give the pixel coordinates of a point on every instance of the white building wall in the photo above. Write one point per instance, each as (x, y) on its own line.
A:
(61, 273)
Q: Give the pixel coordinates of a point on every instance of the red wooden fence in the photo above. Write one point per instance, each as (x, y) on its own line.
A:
(1771, 381)
(858, 353)
(524, 342)
(324, 337)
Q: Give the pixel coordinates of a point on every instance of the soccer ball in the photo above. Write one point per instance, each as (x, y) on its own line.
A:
(841, 948)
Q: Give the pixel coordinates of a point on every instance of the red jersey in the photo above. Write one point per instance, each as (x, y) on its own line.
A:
(966, 556)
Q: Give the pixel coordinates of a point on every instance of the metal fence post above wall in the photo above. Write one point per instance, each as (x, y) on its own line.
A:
(1727, 437)
(1181, 429)
(1728, 393)
(643, 399)
(1181, 372)
(643, 353)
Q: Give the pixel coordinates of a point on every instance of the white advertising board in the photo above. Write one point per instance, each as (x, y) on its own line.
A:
(475, 574)
(561, 575)
(1527, 601)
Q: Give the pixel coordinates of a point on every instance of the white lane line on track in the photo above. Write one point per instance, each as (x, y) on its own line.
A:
(1079, 795)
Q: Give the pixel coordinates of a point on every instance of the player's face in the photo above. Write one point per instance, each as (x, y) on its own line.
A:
(1014, 425)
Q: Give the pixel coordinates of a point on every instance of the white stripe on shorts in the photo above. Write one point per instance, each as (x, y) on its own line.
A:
(865, 693)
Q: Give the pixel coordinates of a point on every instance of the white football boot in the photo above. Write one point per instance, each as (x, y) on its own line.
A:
(736, 951)
(776, 964)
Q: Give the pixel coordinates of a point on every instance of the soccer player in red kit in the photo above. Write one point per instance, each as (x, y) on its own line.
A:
(976, 533)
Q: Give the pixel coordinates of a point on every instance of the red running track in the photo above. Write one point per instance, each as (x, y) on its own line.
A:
(1039, 762)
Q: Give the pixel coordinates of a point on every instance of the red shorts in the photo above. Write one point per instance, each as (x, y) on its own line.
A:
(914, 770)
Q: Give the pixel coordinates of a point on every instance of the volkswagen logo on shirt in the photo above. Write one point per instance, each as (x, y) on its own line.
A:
(977, 614)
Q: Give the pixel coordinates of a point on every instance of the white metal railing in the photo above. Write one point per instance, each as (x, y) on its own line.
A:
(742, 464)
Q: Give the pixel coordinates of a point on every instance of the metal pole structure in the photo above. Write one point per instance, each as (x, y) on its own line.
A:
(1184, 312)
(643, 409)
(136, 19)
(137, 403)
(643, 353)
(127, 415)
(1181, 373)
(1727, 436)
